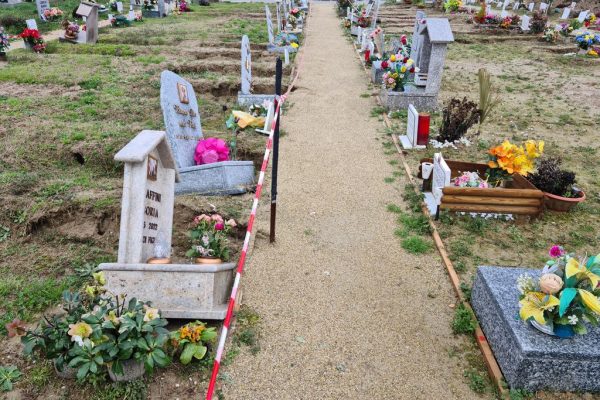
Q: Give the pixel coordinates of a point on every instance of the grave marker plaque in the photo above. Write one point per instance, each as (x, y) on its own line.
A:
(524, 23)
(582, 16)
(89, 11)
(441, 177)
(42, 5)
(566, 13)
(543, 7)
(516, 6)
(31, 24)
(246, 66)
(530, 7)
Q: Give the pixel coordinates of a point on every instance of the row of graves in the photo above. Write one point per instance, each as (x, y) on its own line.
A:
(148, 282)
(525, 314)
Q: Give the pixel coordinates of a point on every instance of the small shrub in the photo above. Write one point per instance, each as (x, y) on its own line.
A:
(550, 178)
(538, 22)
(463, 322)
(394, 209)
(458, 116)
(417, 223)
(415, 245)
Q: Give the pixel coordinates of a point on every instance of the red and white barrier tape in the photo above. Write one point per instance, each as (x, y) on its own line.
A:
(242, 260)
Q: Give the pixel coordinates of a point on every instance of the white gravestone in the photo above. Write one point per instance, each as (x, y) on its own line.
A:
(286, 57)
(524, 23)
(499, 4)
(120, 7)
(246, 66)
(582, 16)
(543, 7)
(31, 24)
(42, 5)
(269, 24)
(516, 6)
(409, 141)
(131, 15)
(148, 197)
(566, 13)
(268, 119)
(441, 177)
(530, 6)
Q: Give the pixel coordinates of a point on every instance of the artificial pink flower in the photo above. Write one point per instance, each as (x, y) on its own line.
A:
(556, 251)
(219, 226)
(211, 150)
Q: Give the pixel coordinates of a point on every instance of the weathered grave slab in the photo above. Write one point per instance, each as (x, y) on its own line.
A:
(182, 121)
(528, 358)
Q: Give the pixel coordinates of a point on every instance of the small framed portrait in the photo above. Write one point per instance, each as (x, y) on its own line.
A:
(152, 171)
(183, 93)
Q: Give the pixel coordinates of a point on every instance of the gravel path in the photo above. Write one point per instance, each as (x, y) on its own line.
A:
(346, 313)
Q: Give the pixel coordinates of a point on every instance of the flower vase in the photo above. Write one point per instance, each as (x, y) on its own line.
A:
(208, 260)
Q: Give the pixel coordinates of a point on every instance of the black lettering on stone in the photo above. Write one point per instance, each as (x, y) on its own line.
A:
(151, 211)
(152, 195)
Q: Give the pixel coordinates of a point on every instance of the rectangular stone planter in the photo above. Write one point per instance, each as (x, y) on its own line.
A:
(216, 179)
(528, 358)
(400, 100)
(520, 197)
(249, 99)
(190, 291)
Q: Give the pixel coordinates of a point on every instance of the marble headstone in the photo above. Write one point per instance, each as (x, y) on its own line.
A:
(441, 177)
(246, 66)
(416, 38)
(42, 5)
(31, 24)
(516, 6)
(543, 7)
(525, 23)
(566, 13)
(409, 141)
(582, 16)
(182, 121)
(148, 197)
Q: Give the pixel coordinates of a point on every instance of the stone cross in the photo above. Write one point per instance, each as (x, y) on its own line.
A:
(441, 177)
(246, 66)
(182, 120)
(42, 5)
(90, 13)
(269, 24)
(148, 197)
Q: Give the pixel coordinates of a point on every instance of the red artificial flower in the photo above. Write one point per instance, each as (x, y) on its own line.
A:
(405, 60)
(404, 40)
(412, 70)
(30, 34)
(384, 64)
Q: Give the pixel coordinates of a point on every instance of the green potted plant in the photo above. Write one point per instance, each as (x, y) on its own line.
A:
(209, 239)
(558, 185)
(190, 341)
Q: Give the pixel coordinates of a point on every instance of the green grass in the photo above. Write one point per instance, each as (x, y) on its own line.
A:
(477, 382)
(464, 321)
(415, 245)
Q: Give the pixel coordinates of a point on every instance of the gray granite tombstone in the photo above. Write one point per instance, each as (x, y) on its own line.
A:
(182, 122)
(90, 12)
(178, 290)
(529, 359)
(245, 97)
(416, 39)
(434, 37)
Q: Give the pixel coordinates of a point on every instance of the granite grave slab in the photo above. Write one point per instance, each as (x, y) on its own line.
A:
(529, 359)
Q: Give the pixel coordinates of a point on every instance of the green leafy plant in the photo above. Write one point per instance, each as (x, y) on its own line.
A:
(487, 100)
(8, 376)
(463, 321)
(190, 340)
(477, 383)
(415, 245)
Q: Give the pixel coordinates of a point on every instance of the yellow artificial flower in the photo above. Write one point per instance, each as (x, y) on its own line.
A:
(99, 278)
(403, 69)
(534, 304)
(393, 58)
(589, 300)
(294, 45)
(574, 268)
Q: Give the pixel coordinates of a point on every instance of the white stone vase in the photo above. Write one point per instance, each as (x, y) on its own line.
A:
(426, 169)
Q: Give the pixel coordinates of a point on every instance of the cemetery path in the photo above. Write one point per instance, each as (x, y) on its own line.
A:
(346, 313)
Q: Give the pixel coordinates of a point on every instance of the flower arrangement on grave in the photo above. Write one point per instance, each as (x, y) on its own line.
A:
(479, 17)
(510, 21)
(33, 39)
(53, 14)
(593, 52)
(363, 21)
(452, 5)
(120, 21)
(564, 29)
(470, 179)
(347, 24)
(259, 110)
(209, 238)
(4, 43)
(211, 150)
(551, 35)
(97, 331)
(396, 78)
(184, 7)
(458, 116)
(286, 39)
(190, 341)
(71, 30)
(589, 20)
(292, 20)
(564, 297)
(538, 22)
(507, 159)
(586, 40)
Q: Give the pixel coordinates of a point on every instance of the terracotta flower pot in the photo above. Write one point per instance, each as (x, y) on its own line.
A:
(559, 203)
(208, 260)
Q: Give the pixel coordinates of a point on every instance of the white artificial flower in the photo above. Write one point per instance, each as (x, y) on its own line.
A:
(573, 319)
